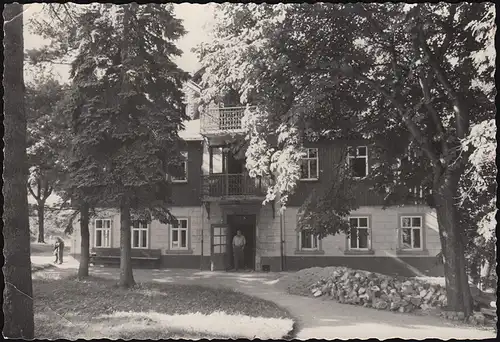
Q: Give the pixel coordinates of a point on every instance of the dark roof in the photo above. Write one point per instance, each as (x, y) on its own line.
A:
(196, 78)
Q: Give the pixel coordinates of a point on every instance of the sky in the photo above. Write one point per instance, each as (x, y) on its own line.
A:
(196, 19)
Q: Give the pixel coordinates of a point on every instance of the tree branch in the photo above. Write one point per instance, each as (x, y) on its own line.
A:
(414, 130)
(55, 13)
(47, 192)
(68, 13)
(391, 46)
(461, 113)
(449, 32)
(434, 115)
(39, 189)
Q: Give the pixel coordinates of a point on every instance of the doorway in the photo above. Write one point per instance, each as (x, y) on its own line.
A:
(234, 165)
(246, 224)
(234, 179)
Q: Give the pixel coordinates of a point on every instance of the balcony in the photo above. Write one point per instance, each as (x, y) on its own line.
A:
(222, 121)
(232, 187)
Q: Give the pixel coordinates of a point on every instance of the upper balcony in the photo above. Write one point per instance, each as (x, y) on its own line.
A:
(221, 121)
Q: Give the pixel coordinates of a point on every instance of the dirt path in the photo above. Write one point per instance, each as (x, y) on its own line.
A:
(321, 319)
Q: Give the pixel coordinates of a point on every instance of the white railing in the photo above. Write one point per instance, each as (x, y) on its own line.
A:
(223, 119)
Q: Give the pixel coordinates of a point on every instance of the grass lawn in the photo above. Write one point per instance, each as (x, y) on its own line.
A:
(96, 308)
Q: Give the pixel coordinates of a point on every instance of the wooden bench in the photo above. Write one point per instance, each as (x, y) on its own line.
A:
(107, 256)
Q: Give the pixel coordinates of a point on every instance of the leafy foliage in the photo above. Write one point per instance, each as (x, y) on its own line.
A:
(126, 106)
(298, 62)
(410, 78)
(47, 137)
(326, 212)
(478, 189)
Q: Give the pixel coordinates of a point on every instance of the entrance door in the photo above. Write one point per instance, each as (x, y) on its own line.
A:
(219, 246)
(245, 223)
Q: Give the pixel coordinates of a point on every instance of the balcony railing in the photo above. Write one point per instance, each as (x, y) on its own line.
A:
(223, 185)
(223, 119)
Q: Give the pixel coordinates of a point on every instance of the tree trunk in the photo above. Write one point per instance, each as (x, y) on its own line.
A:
(126, 275)
(41, 216)
(83, 268)
(18, 294)
(453, 245)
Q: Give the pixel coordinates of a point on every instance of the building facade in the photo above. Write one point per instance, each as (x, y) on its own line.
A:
(216, 197)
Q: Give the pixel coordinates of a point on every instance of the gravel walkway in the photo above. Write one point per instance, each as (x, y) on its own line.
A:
(318, 318)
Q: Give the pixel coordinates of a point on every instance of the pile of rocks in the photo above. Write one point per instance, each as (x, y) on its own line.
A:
(384, 292)
(379, 291)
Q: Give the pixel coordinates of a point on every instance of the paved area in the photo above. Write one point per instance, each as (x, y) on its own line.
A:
(317, 318)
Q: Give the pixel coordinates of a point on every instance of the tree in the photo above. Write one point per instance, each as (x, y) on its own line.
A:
(126, 109)
(47, 141)
(404, 76)
(58, 26)
(18, 295)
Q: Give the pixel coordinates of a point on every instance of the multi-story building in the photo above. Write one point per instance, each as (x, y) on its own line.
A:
(216, 197)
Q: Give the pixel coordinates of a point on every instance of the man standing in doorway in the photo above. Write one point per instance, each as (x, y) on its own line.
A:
(238, 247)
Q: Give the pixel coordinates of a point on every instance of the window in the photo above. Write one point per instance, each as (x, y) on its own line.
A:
(411, 232)
(102, 237)
(359, 237)
(179, 235)
(309, 166)
(219, 240)
(358, 161)
(308, 241)
(181, 170)
(139, 234)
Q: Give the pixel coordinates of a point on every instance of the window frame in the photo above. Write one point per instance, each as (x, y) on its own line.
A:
(412, 228)
(174, 179)
(103, 229)
(139, 229)
(316, 238)
(369, 233)
(357, 156)
(308, 159)
(223, 230)
(179, 229)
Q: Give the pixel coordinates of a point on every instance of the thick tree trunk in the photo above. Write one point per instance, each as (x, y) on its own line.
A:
(83, 268)
(126, 275)
(452, 240)
(41, 222)
(18, 293)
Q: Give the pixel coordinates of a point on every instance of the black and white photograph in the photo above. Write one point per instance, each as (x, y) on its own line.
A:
(272, 171)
